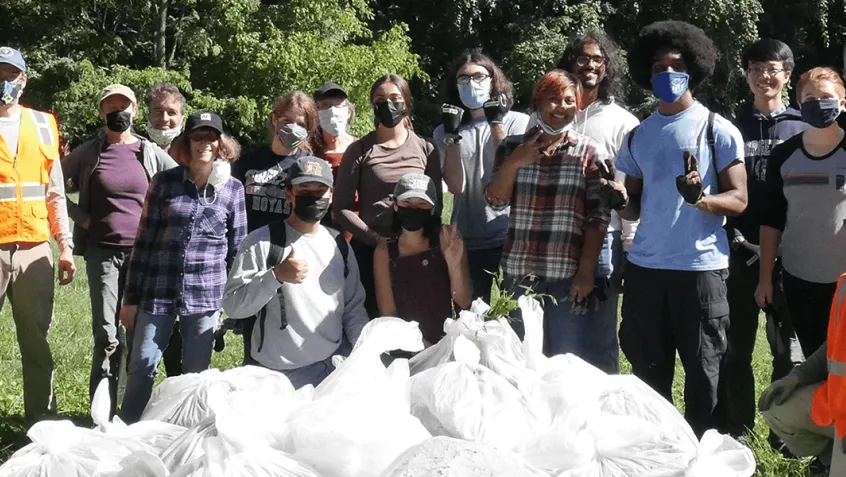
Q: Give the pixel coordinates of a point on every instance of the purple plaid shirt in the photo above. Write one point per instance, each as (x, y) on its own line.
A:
(185, 245)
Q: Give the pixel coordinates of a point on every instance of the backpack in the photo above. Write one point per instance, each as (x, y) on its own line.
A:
(709, 134)
(278, 240)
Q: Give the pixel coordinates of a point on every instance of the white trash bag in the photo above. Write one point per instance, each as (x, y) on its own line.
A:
(445, 456)
(225, 456)
(184, 400)
(721, 455)
(139, 464)
(359, 421)
(60, 449)
(471, 402)
(153, 436)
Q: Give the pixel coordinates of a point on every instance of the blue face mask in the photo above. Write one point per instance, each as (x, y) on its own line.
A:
(474, 95)
(11, 92)
(670, 86)
(821, 113)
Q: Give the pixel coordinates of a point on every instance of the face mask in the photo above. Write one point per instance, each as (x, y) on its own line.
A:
(821, 113)
(11, 93)
(310, 209)
(389, 113)
(670, 86)
(162, 137)
(119, 121)
(334, 120)
(474, 95)
(413, 219)
(291, 135)
(221, 170)
(547, 129)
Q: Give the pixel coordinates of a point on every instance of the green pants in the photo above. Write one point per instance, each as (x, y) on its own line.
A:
(792, 422)
(27, 279)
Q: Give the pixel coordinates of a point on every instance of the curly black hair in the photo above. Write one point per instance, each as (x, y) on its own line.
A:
(499, 83)
(698, 51)
(612, 86)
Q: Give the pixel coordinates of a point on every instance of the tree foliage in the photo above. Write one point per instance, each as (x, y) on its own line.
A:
(237, 56)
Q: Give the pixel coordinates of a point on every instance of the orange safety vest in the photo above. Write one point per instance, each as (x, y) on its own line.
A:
(829, 404)
(24, 179)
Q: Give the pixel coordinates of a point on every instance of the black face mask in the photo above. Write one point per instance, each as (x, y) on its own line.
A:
(821, 113)
(389, 113)
(310, 208)
(413, 219)
(119, 121)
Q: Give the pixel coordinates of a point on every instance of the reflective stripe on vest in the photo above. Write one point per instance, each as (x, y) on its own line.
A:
(45, 131)
(838, 303)
(836, 368)
(8, 192)
(33, 191)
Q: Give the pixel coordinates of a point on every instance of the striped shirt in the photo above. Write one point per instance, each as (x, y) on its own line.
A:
(185, 245)
(553, 201)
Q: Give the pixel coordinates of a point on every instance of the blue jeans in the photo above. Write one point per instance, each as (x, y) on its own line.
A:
(593, 336)
(152, 334)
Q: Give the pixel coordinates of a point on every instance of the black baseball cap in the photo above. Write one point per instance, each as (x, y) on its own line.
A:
(310, 169)
(204, 119)
(328, 87)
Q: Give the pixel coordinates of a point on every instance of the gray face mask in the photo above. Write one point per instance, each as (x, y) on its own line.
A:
(291, 135)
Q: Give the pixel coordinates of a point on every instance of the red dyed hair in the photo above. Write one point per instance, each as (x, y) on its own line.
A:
(820, 74)
(555, 85)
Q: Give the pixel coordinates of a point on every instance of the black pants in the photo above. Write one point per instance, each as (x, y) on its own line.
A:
(810, 306)
(737, 404)
(483, 264)
(668, 310)
(364, 257)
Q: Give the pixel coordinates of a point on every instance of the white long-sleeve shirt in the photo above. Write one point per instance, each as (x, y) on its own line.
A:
(608, 124)
(320, 311)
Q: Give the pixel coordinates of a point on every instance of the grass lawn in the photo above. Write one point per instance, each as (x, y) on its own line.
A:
(71, 341)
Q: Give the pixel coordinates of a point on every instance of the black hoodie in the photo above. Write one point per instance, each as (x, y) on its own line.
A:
(761, 133)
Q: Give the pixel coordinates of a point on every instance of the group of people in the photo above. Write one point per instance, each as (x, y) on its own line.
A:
(697, 221)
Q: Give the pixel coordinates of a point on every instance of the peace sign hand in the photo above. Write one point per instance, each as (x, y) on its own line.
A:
(690, 184)
(529, 151)
(611, 192)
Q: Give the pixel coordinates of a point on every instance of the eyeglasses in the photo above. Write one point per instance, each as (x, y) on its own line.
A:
(204, 137)
(584, 60)
(477, 78)
(755, 71)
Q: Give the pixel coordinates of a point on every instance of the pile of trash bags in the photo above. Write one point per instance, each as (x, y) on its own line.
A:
(480, 402)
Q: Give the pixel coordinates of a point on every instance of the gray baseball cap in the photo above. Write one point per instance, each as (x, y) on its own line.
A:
(13, 57)
(416, 185)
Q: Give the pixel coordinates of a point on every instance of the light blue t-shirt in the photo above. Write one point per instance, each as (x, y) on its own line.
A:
(673, 235)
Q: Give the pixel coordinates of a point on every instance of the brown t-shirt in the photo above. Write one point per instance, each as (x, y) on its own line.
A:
(373, 171)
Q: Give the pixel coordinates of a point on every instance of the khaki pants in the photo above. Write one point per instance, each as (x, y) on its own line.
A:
(793, 424)
(27, 279)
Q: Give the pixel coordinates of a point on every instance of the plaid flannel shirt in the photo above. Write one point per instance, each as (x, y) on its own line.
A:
(185, 246)
(553, 201)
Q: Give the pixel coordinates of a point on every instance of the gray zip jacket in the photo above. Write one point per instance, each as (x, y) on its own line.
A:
(77, 168)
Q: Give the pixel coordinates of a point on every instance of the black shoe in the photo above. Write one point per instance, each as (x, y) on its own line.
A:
(817, 469)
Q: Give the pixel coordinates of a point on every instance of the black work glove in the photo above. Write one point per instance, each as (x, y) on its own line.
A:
(496, 109)
(611, 192)
(690, 184)
(451, 117)
(228, 324)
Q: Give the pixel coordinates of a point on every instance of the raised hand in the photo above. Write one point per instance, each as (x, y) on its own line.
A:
(530, 151)
(292, 269)
(690, 184)
(612, 192)
(452, 245)
(451, 117)
(496, 109)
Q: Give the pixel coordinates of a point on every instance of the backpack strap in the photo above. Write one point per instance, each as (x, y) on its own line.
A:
(712, 145)
(278, 239)
(345, 251)
(631, 138)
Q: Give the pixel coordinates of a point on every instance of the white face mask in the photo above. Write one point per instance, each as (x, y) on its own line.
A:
(334, 120)
(221, 171)
(162, 137)
(536, 119)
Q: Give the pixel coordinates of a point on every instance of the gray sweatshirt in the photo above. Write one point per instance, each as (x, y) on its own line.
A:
(320, 311)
